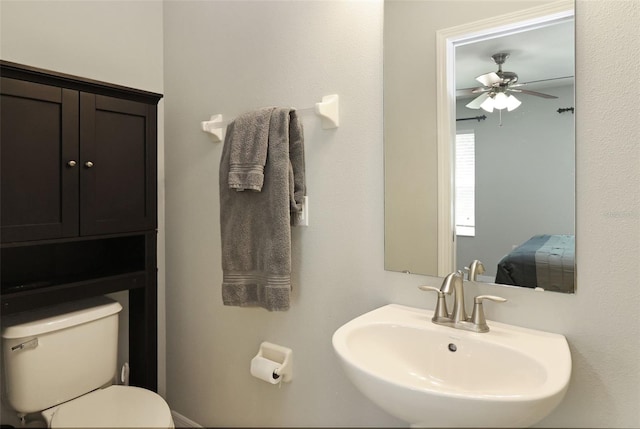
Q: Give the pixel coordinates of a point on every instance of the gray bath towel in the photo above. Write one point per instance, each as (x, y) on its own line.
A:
(248, 149)
(256, 226)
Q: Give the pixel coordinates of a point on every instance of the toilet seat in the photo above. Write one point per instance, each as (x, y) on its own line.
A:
(113, 406)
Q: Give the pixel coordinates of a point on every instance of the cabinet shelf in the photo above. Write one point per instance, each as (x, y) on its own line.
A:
(14, 302)
(34, 275)
(20, 287)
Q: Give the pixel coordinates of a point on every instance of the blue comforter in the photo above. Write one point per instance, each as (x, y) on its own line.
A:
(544, 261)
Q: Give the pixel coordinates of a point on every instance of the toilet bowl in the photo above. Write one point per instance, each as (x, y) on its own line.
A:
(113, 407)
(61, 362)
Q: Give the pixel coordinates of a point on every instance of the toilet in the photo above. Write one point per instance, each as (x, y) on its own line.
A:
(61, 362)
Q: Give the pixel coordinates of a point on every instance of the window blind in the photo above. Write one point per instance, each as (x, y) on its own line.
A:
(465, 184)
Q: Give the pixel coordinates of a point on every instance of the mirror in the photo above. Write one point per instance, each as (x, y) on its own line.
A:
(524, 204)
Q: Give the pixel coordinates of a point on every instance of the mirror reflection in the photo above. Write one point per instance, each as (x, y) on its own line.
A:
(512, 190)
(514, 162)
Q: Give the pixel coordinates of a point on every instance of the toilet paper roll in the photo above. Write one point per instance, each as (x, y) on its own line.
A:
(263, 369)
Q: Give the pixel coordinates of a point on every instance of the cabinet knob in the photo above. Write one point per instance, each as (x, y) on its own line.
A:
(71, 163)
(88, 164)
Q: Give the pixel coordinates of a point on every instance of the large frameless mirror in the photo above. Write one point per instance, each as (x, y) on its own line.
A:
(497, 180)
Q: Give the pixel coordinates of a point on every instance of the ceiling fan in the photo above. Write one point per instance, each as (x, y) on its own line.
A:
(497, 88)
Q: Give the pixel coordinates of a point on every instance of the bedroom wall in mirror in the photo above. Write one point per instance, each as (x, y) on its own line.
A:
(504, 191)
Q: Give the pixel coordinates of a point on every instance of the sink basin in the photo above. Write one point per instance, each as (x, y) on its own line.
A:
(432, 375)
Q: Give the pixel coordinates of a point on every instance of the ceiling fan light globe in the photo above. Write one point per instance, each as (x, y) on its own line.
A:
(500, 101)
(512, 103)
(487, 105)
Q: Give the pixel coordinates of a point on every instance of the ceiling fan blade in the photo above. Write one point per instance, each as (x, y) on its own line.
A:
(553, 79)
(469, 92)
(489, 79)
(476, 102)
(464, 92)
(480, 89)
(537, 94)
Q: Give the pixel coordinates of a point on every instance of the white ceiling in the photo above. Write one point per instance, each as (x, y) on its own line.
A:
(538, 54)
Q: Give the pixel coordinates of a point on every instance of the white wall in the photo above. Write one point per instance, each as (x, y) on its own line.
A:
(113, 41)
(228, 57)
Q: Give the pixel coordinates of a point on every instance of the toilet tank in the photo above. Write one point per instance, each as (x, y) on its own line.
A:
(55, 354)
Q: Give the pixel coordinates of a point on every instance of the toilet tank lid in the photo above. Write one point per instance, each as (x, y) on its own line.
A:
(54, 318)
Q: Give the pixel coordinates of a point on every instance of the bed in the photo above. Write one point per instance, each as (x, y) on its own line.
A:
(544, 261)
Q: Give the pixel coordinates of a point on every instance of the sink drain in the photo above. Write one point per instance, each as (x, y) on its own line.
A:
(452, 347)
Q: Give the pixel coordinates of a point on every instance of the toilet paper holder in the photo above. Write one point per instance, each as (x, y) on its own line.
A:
(283, 356)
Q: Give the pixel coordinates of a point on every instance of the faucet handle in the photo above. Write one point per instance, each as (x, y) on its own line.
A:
(440, 312)
(478, 299)
(477, 317)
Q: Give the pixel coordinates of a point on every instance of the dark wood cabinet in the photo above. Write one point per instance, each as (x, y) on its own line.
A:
(74, 163)
(118, 165)
(78, 198)
(39, 137)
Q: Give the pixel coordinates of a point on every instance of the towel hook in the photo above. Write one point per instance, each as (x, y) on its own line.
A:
(327, 109)
(214, 126)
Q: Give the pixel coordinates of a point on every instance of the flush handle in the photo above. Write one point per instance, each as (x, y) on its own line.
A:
(31, 344)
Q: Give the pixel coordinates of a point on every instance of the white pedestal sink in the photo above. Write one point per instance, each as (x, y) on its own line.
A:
(431, 375)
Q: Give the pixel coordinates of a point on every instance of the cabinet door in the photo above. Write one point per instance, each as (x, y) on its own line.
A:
(39, 157)
(118, 162)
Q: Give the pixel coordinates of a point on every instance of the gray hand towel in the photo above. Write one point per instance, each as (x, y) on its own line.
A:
(248, 153)
(256, 226)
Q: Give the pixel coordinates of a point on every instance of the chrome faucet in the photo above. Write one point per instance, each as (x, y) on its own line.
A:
(475, 268)
(454, 283)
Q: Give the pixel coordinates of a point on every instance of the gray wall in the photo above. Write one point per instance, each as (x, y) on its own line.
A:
(228, 57)
(524, 176)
